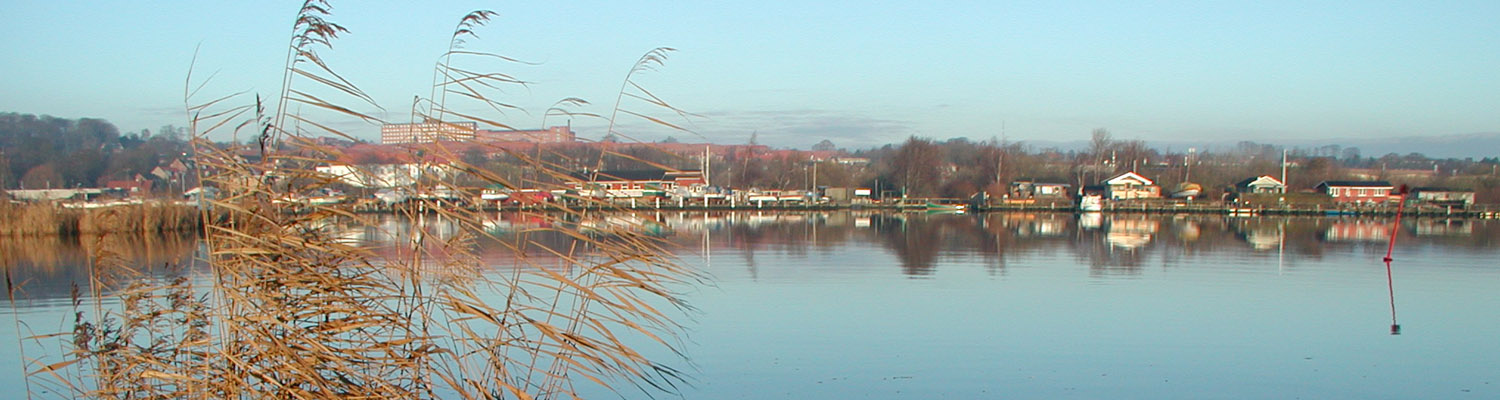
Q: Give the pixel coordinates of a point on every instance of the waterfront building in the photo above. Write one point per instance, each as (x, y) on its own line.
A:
(1443, 197)
(1357, 192)
(387, 175)
(1264, 184)
(1130, 185)
(634, 183)
(1027, 188)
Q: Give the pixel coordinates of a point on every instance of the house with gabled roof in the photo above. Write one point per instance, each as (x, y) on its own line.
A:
(1264, 184)
(1130, 185)
(1357, 192)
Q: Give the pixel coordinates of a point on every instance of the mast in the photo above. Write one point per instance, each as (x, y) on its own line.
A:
(1283, 170)
(1187, 166)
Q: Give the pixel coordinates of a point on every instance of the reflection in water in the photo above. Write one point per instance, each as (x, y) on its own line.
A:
(1263, 236)
(1443, 227)
(1358, 231)
(1390, 283)
(1197, 289)
(1131, 233)
(49, 267)
(1109, 244)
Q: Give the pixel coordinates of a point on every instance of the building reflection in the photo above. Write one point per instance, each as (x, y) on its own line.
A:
(1443, 227)
(1358, 231)
(1264, 237)
(1130, 233)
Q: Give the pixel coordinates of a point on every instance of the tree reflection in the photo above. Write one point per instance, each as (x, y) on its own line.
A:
(914, 239)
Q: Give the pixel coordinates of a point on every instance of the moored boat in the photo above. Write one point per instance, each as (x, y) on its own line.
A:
(939, 206)
(1187, 190)
(1091, 203)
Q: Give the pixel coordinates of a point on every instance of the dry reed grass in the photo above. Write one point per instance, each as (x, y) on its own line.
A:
(37, 219)
(293, 311)
(51, 219)
(143, 218)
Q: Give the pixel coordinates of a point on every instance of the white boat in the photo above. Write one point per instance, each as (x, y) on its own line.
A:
(1187, 190)
(1091, 203)
(325, 200)
(493, 195)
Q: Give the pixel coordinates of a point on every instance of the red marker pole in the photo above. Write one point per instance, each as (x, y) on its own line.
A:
(1390, 283)
(1400, 206)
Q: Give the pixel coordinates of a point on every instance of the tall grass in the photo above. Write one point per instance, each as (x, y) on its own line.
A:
(292, 311)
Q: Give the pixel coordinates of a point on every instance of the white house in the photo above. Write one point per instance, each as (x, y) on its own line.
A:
(1130, 185)
(386, 175)
(1261, 184)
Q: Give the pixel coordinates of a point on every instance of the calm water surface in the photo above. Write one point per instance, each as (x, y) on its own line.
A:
(911, 305)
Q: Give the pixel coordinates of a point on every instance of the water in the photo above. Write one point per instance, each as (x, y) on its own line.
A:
(911, 305)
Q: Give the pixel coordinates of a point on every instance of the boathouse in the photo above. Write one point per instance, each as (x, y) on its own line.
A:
(1443, 197)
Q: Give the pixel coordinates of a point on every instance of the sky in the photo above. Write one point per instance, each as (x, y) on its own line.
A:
(794, 73)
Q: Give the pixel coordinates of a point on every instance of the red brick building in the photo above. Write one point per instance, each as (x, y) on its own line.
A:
(1357, 192)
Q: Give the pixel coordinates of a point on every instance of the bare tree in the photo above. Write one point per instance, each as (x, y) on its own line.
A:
(825, 145)
(1132, 154)
(916, 167)
(1100, 145)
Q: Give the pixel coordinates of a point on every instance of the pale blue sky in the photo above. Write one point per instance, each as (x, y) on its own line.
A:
(798, 72)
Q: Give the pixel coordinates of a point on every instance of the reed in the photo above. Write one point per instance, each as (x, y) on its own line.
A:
(31, 220)
(289, 310)
(52, 219)
(144, 218)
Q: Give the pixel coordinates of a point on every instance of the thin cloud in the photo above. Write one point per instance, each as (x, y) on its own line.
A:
(805, 127)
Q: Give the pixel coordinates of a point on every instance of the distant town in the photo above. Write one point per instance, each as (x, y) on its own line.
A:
(51, 159)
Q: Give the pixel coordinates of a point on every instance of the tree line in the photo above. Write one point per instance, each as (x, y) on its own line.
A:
(962, 167)
(38, 152)
(44, 151)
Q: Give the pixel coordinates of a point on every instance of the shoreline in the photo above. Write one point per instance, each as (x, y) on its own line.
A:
(1111, 208)
(170, 216)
